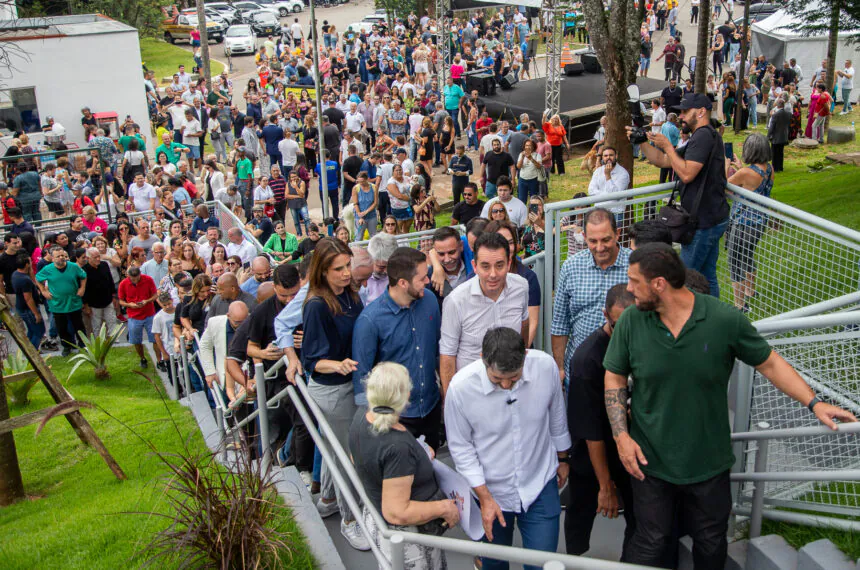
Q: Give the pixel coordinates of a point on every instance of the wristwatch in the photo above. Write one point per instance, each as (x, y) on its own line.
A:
(812, 402)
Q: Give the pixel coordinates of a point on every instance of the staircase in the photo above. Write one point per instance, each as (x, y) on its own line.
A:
(772, 552)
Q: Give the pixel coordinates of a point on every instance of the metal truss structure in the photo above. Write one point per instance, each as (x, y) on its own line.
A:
(443, 39)
(553, 61)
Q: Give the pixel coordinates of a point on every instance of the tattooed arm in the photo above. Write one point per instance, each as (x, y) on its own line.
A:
(615, 398)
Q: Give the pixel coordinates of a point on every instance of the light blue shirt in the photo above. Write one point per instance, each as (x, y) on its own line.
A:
(250, 286)
(671, 132)
(181, 195)
(290, 318)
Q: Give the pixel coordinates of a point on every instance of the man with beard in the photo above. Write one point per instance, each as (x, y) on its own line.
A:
(403, 325)
(700, 169)
(671, 96)
(680, 347)
(583, 282)
(611, 178)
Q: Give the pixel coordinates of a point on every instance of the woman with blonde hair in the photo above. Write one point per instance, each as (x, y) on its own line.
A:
(191, 262)
(396, 471)
(556, 136)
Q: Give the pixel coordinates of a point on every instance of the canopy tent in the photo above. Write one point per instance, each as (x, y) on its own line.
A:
(772, 38)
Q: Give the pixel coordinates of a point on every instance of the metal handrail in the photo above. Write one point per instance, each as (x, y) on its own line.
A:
(413, 235)
(795, 432)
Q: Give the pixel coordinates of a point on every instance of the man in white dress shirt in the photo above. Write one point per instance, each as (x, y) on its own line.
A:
(240, 246)
(507, 433)
(494, 298)
(612, 177)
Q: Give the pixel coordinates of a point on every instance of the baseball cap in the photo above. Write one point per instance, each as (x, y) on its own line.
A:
(695, 101)
(257, 208)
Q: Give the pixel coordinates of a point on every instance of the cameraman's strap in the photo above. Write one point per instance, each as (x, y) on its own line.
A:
(701, 191)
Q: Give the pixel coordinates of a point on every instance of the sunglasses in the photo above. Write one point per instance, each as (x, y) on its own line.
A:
(497, 211)
(390, 224)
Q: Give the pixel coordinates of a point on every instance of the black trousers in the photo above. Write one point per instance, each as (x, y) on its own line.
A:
(582, 508)
(430, 426)
(302, 445)
(77, 320)
(703, 509)
(778, 151)
(458, 183)
(383, 207)
(558, 159)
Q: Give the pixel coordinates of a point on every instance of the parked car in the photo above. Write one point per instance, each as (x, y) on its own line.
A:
(245, 7)
(239, 38)
(359, 27)
(226, 10)
(284, 7)
(211, 14)
(179, 28)
(264, 23)
(377, 18)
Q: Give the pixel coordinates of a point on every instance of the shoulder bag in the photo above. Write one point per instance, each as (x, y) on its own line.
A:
(681, 223)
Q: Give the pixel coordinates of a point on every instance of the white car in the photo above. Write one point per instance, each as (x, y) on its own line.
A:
(244, 7)
(359, 27)
(239, 39)
(284, 7)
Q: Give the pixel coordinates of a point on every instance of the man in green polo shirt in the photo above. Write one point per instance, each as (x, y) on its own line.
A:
(173, 150)
(62, 284)
(129, 136)
(244, 172)
(680, 347)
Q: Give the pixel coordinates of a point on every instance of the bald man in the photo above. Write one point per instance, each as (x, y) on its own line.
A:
(215, 342)
(229, 291)
(261, 271)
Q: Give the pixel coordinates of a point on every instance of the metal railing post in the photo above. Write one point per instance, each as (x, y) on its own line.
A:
(758, 489)
(222, 433)
(398, 551)
(551, 259)
(263, 417)
(186, 378)
(172, 376)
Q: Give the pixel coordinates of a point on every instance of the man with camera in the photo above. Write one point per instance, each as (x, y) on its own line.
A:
(700, 220)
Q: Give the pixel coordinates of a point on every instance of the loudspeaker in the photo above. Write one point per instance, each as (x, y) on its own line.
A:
(572, 69)
(589, 61)
(508, 81)
(482, 82)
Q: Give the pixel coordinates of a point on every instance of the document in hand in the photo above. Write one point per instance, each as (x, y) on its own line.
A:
(456, 487)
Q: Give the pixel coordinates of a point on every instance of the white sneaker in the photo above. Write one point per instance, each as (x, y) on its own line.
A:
(353, 535)
(307, 478)
(326, 509)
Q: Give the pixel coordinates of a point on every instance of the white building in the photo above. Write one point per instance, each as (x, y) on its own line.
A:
(62, 64)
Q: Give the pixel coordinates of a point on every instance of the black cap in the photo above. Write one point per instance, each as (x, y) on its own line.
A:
(695, 101)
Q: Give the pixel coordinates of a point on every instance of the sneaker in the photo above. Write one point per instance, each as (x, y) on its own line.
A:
(843, 113)
(353, 535)
(143, 363)
(307, 478)
(326, 509)
(281, 457)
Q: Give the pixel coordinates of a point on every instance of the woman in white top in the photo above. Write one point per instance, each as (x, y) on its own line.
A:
(216, 136)
(530, 167)
(399, 195)
(264, 196)
(134, 161)
(213, 180)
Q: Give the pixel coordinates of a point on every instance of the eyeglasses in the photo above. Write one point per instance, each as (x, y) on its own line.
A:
(497, 211)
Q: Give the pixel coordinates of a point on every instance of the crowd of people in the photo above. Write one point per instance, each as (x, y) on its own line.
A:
(408, 350)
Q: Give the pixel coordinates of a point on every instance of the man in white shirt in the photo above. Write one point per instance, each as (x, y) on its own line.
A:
(240, 246)
(348, 141)
(142, 194)
(405, 162)
(213, 234)
(507, 433)
(611, 177)
(191, 133)
(495, 298)
(517, 211)
(184, 78)
(820, 74)
(342, 104)
(796, 67)
(297, 33)
(157, 267)
(847, 83)
(191, 95)
(658, 116)
(289, 150)
(354, 119)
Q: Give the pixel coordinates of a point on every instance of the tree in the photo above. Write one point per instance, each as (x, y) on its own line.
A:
(11, 484)
(615, 37)
(702, 48)
(204, 48)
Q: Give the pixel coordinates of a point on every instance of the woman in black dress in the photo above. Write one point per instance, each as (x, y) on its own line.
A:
(428, 137)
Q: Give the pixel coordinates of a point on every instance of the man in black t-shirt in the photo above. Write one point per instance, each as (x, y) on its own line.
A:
(671, 96)
(700, 167)
(335, 115)
(351, 167)
(8, 265)
(469, 208)
(597, 476)
(495, 164)
(308, 244)
(27, 299)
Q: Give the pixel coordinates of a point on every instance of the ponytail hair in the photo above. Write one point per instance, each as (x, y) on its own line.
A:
(388, 387)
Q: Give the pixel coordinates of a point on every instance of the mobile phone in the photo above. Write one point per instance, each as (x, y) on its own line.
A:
(730, 150)
(533, 208)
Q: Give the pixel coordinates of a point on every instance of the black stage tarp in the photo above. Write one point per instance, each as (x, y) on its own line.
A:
(577, 93)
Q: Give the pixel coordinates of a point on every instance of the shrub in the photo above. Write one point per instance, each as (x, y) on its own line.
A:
(96, 349)
(19, 392)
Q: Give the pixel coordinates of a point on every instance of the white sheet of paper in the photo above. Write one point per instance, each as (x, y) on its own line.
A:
(456, 487)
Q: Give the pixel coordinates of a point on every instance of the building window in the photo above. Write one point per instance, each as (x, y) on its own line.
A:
(18, 110)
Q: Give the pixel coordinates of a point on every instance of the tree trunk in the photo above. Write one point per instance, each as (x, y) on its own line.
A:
(11, 484)
(832, 45)
(702, 48)
(739, 96)
(615, 37)
(204, 48)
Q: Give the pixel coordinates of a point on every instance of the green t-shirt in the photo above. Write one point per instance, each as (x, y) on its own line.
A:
(125, 139)
(244, 169)
(679, 412)
(170, 151)
(63, 286)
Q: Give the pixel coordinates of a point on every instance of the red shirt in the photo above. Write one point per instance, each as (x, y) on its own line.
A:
(97, 225)
(9, 202)
(81, 203)
(144, 290)
(481, 123)
(823, 105)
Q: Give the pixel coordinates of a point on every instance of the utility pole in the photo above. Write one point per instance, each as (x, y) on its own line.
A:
(204, 45)
(318, 96)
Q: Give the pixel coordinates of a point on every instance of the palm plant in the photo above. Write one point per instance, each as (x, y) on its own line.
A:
(96, 349)
(18, 391)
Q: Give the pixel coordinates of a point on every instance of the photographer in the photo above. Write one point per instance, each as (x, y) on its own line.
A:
(699, 168)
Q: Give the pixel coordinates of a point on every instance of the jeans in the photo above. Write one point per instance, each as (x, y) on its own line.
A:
(702, 253)
(704, 507)
(368, 224)
(527, 187)
(300, 216)
(753, 111)
(846, 100)
(538, 526)
(490, 190)
(413, 150)
(30, 210)
(220, 149)
(472, 136)
(454, 113)
(35, 331)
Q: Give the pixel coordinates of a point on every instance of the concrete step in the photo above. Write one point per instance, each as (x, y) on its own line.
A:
(736, 559)
(823, 555)
(770, 552)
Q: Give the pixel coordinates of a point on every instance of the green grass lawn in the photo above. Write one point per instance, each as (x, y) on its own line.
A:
(76, 517)
(164, 59)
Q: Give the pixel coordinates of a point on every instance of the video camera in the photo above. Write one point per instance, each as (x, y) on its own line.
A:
(638, 135)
